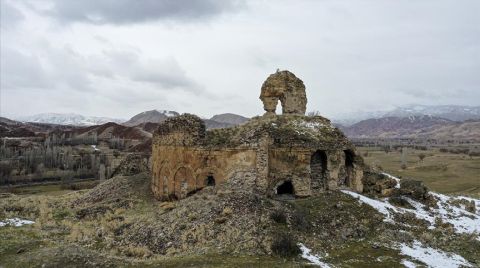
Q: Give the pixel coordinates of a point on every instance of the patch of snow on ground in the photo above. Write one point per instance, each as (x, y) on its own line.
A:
(409, 264)
(393, 177)
(95, 148)
(15, 222)
(314, 259)
(462, 220)
(431, 257)
(381, 206)
(311, 125)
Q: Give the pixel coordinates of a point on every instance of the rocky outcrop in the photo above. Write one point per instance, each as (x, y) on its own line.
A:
(285, 87)
(131, 165)
(377, 184)
(414, 189)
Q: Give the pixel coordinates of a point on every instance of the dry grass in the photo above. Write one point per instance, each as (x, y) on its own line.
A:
(443, 172)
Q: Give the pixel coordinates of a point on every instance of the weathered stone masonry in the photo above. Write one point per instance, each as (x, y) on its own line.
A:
(272, 154)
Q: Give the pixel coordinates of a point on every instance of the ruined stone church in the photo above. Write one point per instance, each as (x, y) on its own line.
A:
(289, 153)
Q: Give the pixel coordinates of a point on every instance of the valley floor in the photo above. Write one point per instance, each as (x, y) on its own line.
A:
(443, 172)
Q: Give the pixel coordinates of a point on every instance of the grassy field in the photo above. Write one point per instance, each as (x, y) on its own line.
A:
(49, 188)
(441, 171)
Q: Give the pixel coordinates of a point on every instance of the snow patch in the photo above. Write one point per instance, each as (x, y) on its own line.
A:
(393, 177)
(314, 259)
(17, 222)
(409, 264)
(381, 206)
(95, 148)
(431, 257)
(464, 222)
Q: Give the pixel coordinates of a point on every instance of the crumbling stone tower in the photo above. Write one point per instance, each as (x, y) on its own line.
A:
(273, 155)
(285, 87)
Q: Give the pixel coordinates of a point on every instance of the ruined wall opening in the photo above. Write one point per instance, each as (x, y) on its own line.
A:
(278, 107)
(210, 181)
(183, 182)
(285, 188)
(318, 170)
(349, 159)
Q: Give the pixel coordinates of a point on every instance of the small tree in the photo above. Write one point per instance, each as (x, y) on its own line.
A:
(421, 157)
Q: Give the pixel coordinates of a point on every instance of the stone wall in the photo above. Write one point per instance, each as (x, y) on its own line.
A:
(180, 170)
(295, 165)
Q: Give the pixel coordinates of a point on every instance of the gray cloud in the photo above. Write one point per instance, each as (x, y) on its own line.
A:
(9, 15)
(19, 70)
(352, 55)
(65, 68)
(136, 11)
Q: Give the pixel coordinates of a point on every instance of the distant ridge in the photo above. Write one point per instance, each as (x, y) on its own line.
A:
(414, 127)
(67, 119)
(152, 116)
(457, 113)
(229, 118)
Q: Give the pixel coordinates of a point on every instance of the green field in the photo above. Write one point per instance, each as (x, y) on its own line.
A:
(441, 171)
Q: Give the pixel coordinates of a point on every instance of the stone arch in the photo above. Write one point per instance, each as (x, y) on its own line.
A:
(183, 182)
(164, 178)
(285, 87)
(157, 182)
(349, 167)
(318, 170)
(285, 187)
(203, 174)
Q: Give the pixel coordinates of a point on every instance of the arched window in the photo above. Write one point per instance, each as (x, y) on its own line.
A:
(349, 161)
(210, 181)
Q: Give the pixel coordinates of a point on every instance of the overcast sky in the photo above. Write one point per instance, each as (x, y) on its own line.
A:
(117, 58)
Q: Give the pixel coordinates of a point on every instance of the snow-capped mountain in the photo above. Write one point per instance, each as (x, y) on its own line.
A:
(68, 119)
(452, 112)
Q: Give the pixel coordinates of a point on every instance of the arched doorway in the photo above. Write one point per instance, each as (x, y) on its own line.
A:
(210, 181)
(349, 162)
(318, 170)
(184, 182)
(286, 188)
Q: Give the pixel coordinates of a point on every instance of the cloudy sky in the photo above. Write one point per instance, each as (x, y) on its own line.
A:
(117, 58)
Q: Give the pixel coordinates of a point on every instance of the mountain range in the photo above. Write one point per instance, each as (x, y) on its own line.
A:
(67, 119)
(414, 127)
(414, 121)
(452, 112)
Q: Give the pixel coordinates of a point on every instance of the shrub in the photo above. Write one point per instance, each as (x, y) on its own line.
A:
(278, 216)
(137, 252)
(473, 153)
(299, 220)
(285, 245)
(403, 166)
